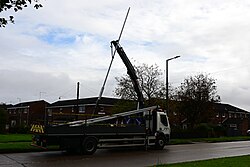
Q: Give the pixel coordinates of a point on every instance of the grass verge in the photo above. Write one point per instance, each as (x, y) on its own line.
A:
(240, 161)
(209, 140)
(15, 138)
(17, 147)
(14, 143)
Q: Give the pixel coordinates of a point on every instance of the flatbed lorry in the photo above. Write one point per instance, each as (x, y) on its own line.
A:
(142, 127)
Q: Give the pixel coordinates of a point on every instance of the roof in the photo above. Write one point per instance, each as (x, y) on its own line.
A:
(86, 101)
(24, 104)
(5, 106)
(227, 107)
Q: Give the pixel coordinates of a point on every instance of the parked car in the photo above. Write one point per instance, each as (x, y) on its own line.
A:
(248, 132)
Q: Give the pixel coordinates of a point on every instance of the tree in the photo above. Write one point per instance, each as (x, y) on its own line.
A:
(16, 5)
(3, 119)
(195, 98)
(124, 105)
(150, 81)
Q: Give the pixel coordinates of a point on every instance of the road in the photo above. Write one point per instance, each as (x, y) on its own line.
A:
(128, 157)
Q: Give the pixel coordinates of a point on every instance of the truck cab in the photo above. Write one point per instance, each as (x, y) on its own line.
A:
(163, 123)
(157, 125)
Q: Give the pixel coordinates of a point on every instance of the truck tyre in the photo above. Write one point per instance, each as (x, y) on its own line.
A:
(160, 143)
(89, 145)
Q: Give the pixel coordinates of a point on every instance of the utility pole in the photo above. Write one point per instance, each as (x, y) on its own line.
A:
(106, 77)
(77, 99)
(40, 95)
(19, 99)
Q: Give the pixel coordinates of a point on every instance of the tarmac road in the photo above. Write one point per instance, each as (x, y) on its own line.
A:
(128, 157)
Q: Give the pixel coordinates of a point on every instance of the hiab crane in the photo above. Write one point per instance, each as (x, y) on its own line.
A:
(141, 127)
(130, 71)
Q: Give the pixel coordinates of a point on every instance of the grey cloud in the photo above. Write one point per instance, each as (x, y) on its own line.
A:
(27, 85)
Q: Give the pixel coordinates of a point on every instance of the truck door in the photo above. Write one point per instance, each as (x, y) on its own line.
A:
(163, 124)
(151, 122)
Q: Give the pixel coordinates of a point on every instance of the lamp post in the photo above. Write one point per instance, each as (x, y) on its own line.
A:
(167, 106)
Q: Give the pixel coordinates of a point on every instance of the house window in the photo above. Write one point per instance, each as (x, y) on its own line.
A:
(233, 126)
(235, 115)
(49, 112)
(217, 115)
(25, 111)
(13, 123)
(82, 109)
(230, 115)
(223, 115)
(101, 112)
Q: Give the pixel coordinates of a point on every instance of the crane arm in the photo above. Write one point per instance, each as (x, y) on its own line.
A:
(130, 71)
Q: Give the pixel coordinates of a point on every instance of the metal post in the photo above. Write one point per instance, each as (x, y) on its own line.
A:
(167, 86)
(167, 101)
(77, 99)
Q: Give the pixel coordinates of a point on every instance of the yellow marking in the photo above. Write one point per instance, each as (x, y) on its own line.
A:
(37, 128)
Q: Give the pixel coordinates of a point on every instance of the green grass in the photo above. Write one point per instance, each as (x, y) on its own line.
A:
(209, 140)
(223, 139)
(21, 147)
(15, 138)
(241, 161)
(17, 147)
(11, 143)
(180, 141)
(16, 143)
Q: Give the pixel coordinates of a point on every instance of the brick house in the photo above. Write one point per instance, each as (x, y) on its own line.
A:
(70, 110)
(26, 113)
(234, 119)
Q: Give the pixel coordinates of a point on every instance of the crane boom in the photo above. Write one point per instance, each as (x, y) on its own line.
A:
(113, 55)
(130, 71)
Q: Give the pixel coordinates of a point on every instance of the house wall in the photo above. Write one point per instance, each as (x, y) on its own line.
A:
(25, 114)
(18, 116)
(244, 126)
(60, 114)
(236, 122)
(37, 112)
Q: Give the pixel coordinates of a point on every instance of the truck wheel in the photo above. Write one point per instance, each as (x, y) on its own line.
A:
(89, 145)
(160, 143)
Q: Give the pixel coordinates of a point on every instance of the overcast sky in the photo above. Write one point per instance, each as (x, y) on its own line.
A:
(47, 51)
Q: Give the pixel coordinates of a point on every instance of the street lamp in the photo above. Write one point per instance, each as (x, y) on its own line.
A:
(167, 106)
